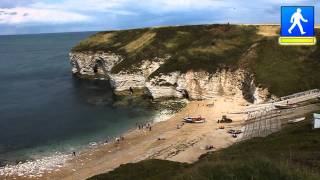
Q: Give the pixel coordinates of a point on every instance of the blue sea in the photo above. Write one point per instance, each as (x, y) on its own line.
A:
(44, 109)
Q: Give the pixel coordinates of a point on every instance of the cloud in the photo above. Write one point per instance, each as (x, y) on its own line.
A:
(182, 5)
(167, 6)
(113, 6)
(42, 16)
(121, 14)
(15, 3)
(58, 12)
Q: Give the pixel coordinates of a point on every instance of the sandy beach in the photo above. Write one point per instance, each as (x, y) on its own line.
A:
(164, 141)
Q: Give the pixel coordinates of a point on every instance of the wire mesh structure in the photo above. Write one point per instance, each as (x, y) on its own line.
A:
(265, 119)
(262, 123)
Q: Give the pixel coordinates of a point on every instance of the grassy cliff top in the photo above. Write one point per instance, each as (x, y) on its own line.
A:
(283, 70)
(190, 47)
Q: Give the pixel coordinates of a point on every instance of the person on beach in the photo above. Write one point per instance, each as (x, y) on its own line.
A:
(131, 90)
(149, 128)
(74, 153)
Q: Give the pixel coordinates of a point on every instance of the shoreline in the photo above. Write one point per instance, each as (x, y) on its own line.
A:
(185, 144)
(53, 161)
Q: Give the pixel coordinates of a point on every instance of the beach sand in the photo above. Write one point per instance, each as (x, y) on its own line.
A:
(183, 145)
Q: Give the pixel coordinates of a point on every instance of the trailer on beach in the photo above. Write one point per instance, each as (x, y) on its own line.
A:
(316, 121)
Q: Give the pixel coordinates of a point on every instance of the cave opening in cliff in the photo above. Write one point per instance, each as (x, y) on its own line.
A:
(95, 69)
(99, 63)
(185, 94)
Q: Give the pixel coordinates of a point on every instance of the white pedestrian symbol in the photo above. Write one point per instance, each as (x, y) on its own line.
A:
(296, 19)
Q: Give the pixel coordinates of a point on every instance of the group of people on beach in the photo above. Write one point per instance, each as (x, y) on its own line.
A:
(180, 125)
(117, 140)
(144, 126)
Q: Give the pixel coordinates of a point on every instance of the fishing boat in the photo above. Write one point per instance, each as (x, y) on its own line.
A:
(296, 120)
(194, 120)
(289, 106)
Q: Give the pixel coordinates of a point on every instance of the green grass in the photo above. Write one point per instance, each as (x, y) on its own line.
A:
(293, 153)
(283, 70)
(150, 169)
(190, 47)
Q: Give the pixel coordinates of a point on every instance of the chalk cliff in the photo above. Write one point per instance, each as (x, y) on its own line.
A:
(198, 62)
(194, 85)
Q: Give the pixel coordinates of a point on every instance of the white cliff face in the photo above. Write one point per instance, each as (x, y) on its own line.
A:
(203, 85)
(165, 86)
(125, 80)
(200, 85)
(85, 63)
(192, 84)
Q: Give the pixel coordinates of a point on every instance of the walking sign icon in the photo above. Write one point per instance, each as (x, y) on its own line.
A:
(297, 25)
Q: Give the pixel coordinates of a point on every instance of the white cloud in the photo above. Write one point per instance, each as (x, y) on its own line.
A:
(33, 15)
(183, 5)
(113, 12)
(167, 6)
(86, 5)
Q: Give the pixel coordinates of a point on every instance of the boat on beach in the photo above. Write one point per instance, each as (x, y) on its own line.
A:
(288, 106)
(296, 120)
(194, 119)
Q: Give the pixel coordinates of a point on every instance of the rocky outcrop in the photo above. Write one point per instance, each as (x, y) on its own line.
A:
(260, 95)
(192, 84)
(91, 64)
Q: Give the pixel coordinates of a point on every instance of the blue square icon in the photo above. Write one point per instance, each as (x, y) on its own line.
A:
(297, 21)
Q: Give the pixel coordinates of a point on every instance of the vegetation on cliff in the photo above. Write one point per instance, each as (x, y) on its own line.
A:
(284, 70)
(292, 153)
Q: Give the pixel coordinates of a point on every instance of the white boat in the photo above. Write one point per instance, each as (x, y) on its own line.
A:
(296, 120)
(194, 120)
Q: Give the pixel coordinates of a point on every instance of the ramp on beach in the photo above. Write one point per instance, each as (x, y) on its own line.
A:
(291, 99)
(265, 119)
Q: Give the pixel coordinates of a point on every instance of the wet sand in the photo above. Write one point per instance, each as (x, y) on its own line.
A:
(185, 144)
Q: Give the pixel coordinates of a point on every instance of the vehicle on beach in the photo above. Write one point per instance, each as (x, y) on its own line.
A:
(224, 119)
(232, 131)
(194, 120)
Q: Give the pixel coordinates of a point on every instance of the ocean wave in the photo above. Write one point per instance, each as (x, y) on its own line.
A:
(163, 116)
(36, 168)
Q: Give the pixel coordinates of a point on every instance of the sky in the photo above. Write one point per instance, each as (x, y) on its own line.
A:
(49, 16)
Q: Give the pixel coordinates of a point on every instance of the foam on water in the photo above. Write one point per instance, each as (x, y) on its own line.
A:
(163, 116)
(37, 167)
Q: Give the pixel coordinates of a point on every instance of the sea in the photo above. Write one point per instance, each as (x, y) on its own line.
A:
(45, 110)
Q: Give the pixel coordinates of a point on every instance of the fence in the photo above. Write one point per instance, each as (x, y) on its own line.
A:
(262, 124)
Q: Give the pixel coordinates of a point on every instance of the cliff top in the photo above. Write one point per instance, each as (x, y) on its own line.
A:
(190, 47)
(282, 69)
